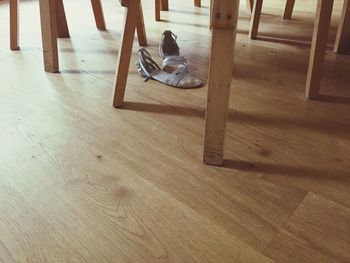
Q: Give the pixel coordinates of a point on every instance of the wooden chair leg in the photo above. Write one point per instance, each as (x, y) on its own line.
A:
(219, 83)
(98, 13)
(197, 3)
(288, 10)
(49, 34)
(250, 4)
(124, 55)
(157, 9)
(165, 5)
(61, 21)
(141, 31)
(342, 42)
(255, 19)
(14, 14)
(318, 48)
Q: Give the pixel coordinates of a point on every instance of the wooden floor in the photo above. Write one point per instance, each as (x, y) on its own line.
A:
(83, 182)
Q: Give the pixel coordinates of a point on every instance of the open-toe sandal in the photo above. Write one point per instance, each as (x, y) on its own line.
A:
(180, 78)
(169, 51)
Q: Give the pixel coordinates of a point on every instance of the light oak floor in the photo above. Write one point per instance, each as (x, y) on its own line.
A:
(83, 182)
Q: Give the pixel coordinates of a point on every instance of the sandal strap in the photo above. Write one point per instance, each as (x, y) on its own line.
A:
(168, 61)
(168, 45)
(180, 73)
(147, 67)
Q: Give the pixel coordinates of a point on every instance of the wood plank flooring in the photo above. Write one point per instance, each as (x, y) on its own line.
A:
(81, 181)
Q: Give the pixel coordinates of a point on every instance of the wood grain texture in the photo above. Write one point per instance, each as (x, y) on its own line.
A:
(128, 211)
(83, 182)
(320, 227)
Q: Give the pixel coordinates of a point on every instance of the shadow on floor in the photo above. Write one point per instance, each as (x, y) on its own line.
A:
(287, 170)
(334, 99)
(325, 126)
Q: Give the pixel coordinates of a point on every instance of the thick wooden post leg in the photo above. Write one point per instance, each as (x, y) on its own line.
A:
(98, 13)
(165, 5)
(158, 4)
(342, 42)
(224, 24)
(197, 3)
(131, 18)
(318, 48)
(14, 7)
(49, 35)
(141, 31)
(250, 4)
(61, 20)
(255, 19)
(288, 10)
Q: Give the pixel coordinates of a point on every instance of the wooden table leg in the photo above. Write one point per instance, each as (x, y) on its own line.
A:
(255, 19)
(98, 13)
(140, 28)
(342, 42)
(288, 10)
(157, 6)
(130, 21)
(49, 34)
(318, 48)
(61, 20)
(224, 23)
(14, 24)
(197, 3)
(165, 5)
(250, 4)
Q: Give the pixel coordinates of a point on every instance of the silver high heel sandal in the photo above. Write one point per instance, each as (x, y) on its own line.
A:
(180, 78)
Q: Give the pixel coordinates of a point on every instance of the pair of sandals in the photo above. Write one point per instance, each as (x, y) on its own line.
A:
(174, 71)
